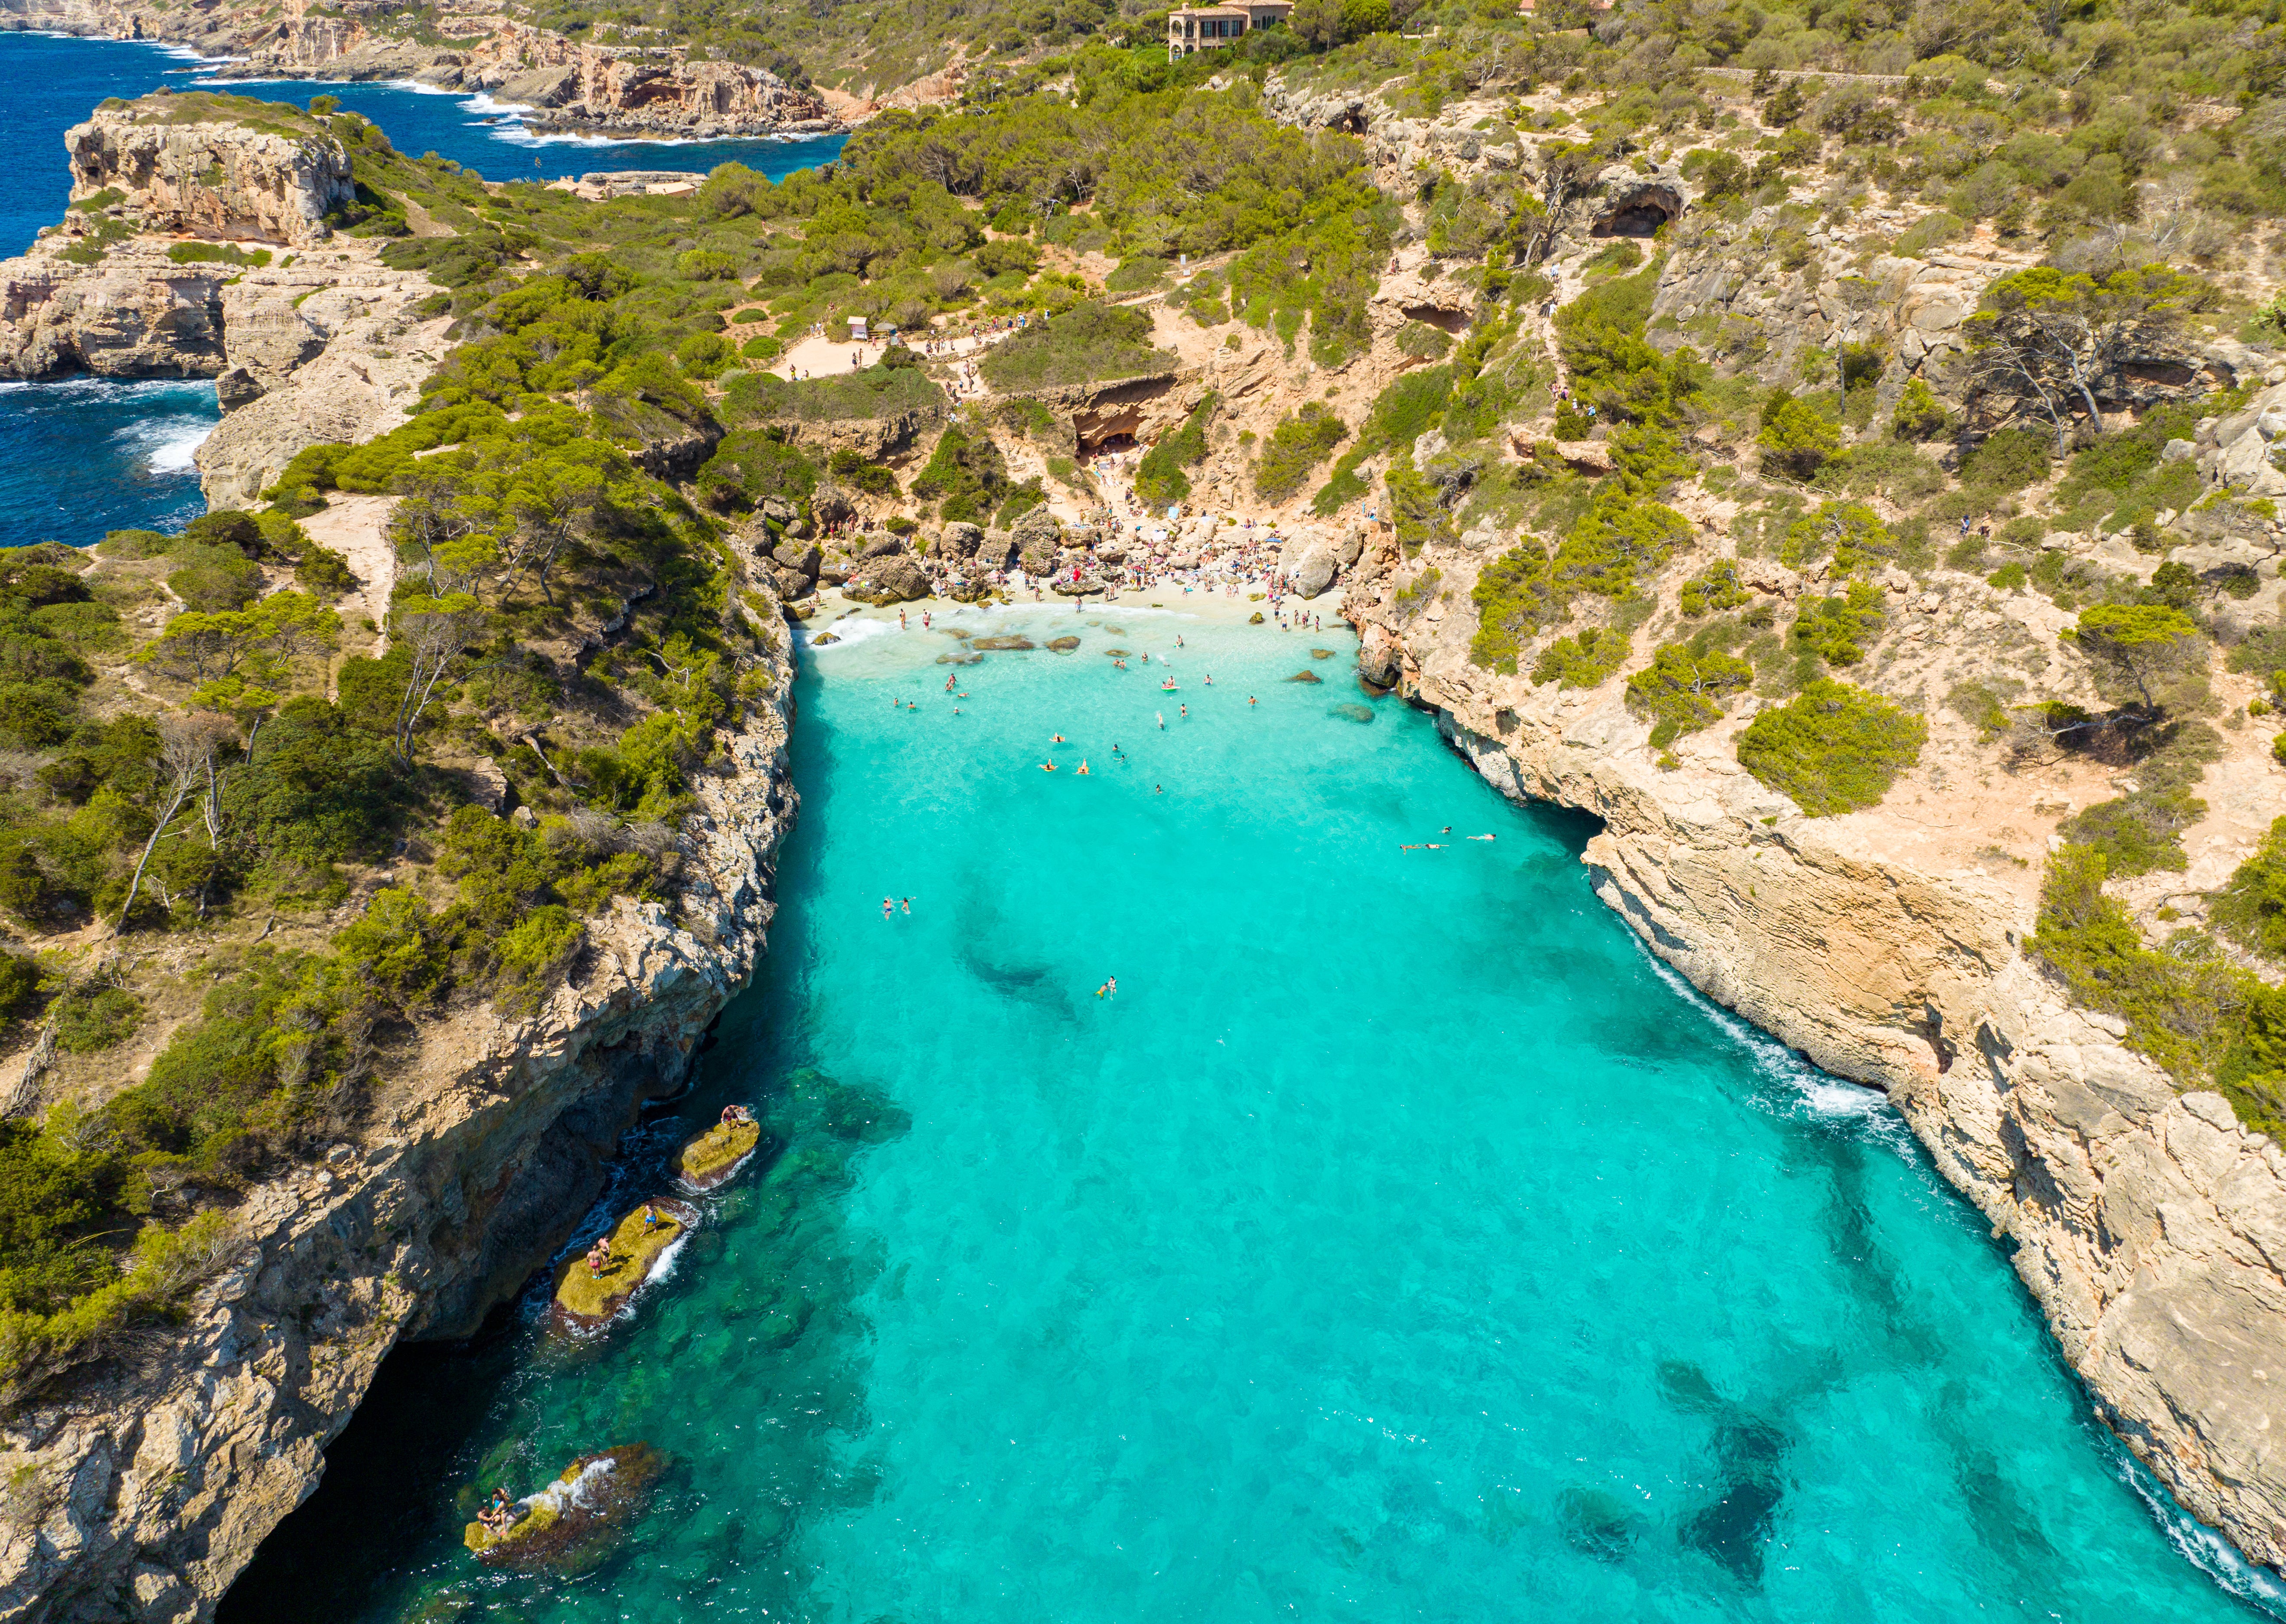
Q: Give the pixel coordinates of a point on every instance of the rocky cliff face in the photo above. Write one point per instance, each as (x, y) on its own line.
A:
(146, 1501)
(633, 89)
(227, 182)
(311, 337)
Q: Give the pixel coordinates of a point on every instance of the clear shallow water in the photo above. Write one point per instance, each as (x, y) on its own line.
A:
(1399, 1242)
(86, 455)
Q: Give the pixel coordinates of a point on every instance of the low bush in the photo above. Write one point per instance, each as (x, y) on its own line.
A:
(1088, 342)
(1298, 443)
(1713, 589)
(1833, 748)
(1837, 630)
(1159, 477)
(1684, 689)
(1582, 660)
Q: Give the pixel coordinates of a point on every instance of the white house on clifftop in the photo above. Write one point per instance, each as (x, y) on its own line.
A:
(1204, 27)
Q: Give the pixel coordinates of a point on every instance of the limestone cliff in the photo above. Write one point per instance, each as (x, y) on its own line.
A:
(633, 88)
(199, 249)
(142, 1497)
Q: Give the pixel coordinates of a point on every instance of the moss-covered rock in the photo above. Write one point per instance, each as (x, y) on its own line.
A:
(716, 1154)
(588, 1298)
(567, 1525)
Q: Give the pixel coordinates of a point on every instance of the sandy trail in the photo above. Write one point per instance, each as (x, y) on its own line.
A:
(357, 527)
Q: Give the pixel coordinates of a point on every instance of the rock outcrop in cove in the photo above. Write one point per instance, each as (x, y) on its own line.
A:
(571, 1524)
(715, 1157)
(587, 1295)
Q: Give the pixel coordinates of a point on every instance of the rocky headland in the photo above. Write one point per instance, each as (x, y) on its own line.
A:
(630, 89)
(201, 249)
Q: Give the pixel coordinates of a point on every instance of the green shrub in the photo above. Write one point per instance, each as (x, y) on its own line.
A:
(216, 253)
(1418, 341)
(1582, 660)
(1159, 477)
(1920, 415)
(754, 463)
(214, 580)
(2006, 461)
(1088, 342)
(94, 1017)
(1298, 443)
(875, 392)
(1833, 748)
(2251, 907)
(1684, 689)
(1850, 533)
(2138, 833)
(1795, 440)
(2181, 1005)
(1837, 629)
(1713, 589)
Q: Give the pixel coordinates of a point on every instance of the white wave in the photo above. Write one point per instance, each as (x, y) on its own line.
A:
(166, 445)
(2201, 1546)
(1825, 1096)
(851, 631)
(560, 1496)
(662, 1269)
(80, 385)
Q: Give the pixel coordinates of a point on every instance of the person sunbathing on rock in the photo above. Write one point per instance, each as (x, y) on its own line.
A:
(737, 1114)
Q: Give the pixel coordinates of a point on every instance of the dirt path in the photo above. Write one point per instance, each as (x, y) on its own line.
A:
(357, 528)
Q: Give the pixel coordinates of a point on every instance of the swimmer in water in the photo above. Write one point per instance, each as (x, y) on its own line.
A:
(1057, 739)
(1047, 766)
(1250, 699)
(1483, 836)
(909, 904)
(887, 907)
(947, 684)
(1158, 789)
(1210, 682)
(1162, 717)
(1185, 709)
(1083, 767)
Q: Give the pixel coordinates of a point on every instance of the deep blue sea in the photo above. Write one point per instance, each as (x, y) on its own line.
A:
(85, 456)
(1396, 1241)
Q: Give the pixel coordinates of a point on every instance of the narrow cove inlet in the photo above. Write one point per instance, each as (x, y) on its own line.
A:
(1397, 1241)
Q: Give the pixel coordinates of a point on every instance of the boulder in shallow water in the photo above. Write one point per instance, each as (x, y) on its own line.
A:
(1305, 676)
(1321, 654)
(1350, 713)
(1063, 645)
(571, 1524)
(586, 1299)
(1255, 619)
(1012, 641)
(717, 1155)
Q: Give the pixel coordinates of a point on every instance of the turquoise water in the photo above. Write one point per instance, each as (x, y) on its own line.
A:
(1398, 1243)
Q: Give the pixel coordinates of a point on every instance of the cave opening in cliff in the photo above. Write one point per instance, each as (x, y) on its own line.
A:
(1637, 213)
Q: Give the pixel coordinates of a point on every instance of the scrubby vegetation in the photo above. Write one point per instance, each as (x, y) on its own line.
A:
(1832, 748)
(566, 624)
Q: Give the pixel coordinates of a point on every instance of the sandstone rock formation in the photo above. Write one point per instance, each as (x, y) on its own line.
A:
(221, 181)
(328, 346)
